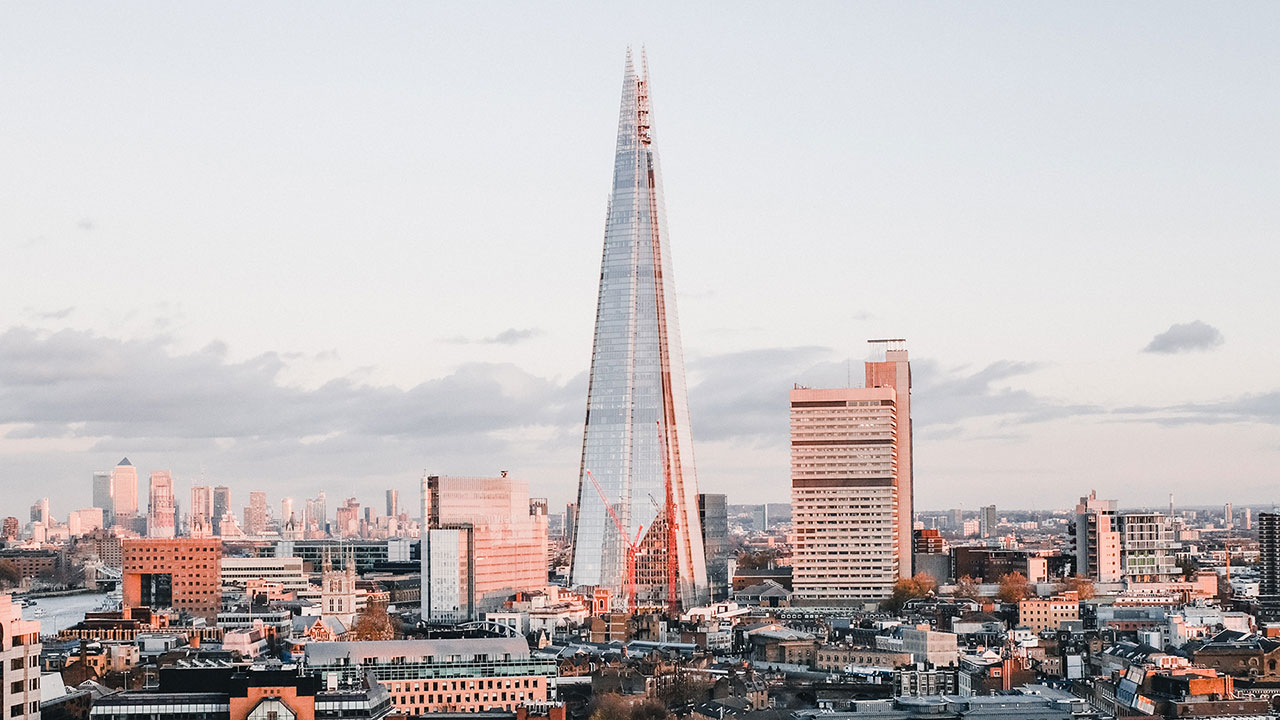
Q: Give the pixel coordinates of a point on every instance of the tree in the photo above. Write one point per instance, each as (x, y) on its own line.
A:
(916, 586)
(1013, 587)
(761, 560)
(9, 575)
(373, 624)
(1082, 586)
(1188, 567)
(966, 587)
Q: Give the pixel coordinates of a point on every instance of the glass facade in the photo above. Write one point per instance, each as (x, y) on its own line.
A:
(637, 421)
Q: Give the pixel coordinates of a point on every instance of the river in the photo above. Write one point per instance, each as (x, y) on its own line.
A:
(62, 612)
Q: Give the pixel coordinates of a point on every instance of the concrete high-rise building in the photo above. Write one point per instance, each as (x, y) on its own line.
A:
(256, 514)
(1097, 539)
(1148, 549)
(1248, 518)
(124, 492)
(1228, 518)
(10, 529)
(1269, 567)
(286, 510)
(393, 503)
(637, 450)
(102, 496)
(347, 519)
(503, 546)
(316, 517)
(851, 486)
(987, 520)
(221, 507)
(957, 519)
(161, 513)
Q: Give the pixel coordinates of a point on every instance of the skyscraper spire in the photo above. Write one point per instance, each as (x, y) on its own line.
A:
(637, 520)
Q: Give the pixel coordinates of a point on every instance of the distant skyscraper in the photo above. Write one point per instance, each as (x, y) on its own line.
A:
(637, 423)
(124, 492)
(851, 486)
(286, 510)
(393, 503)
(713, 515)
(40, 511)
(256, 514)
(102, 496)
(1097, 539)
(1228, 518)
(200, 517)
(160, 510)
(1269, 567)
(987, 520)
(221, 507)
(10, 528)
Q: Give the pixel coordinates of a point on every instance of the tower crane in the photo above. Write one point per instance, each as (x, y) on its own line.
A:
(629, 582)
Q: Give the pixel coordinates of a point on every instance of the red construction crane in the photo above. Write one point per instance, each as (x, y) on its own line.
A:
(632, 545)
(673, 558)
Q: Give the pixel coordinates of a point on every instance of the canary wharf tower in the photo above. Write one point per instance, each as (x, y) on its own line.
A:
(637, 532)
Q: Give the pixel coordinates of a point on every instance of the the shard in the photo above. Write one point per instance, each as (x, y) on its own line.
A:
(637, 532)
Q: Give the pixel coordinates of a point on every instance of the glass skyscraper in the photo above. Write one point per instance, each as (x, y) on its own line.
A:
(637, 424)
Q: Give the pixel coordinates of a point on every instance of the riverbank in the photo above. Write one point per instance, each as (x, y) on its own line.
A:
(57, 593)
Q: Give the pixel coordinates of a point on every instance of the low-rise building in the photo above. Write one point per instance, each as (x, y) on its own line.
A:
(429, 676)
(1040, 614)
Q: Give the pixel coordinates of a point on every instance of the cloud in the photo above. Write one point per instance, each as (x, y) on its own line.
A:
(1253, 408)
(86, 224)
(510, 336)
(60, 314)
(1185, 337)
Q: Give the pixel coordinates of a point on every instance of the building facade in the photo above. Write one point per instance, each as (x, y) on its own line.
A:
(1148, 549)
(1097, 539)
(161, 513)
(851, 489)
(637, 522)
(124, 492)
(102, 496)
(19, 663)
(180, 573)
(433, 676)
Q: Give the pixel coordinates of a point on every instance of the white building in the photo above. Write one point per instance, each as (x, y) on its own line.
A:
(19, 662)
(288, 571)
(851, 487)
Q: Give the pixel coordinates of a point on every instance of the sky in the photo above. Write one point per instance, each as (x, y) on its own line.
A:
(304, 246)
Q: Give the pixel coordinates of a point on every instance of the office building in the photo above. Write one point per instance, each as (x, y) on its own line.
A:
(181, 573)
(286, 510)
(19, 662)
(221, 507)
(10, 530)
(1097, 539)
(161, 513)
(201, 512)
(713, 515)
(851, 488)
(504, 546)
(315, 519)
(256, 514)
(102, 496)
(435, 676)
(1269, 567)
(1148, 549)
(40, 511)
(1039, 614)
(346, 519)
(1228, 517)
(289, 572)
(124, 493)
(447, 583)
(393, 503)
(637, 452)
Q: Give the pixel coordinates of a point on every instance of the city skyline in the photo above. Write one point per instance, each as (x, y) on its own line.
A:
(1024, 195)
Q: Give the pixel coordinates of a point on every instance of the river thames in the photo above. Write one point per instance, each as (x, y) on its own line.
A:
(62, 612)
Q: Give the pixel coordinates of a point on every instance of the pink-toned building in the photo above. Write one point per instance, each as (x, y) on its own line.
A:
(124, 491)
(851, 486)
(160, 509)
(502, 541)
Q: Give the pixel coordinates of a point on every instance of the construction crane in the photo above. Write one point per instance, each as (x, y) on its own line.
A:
(629, 581)
(673, 557)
